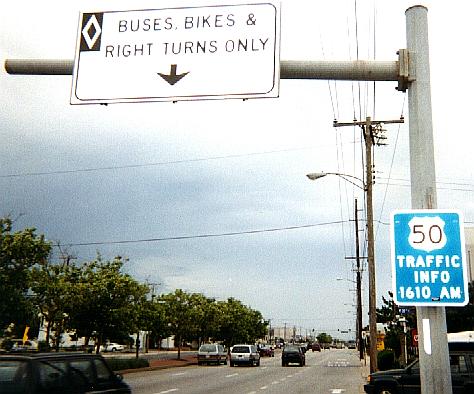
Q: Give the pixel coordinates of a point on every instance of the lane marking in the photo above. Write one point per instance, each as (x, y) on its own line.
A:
(233, 374)
(263, 387)
(282, 379)
(178, 373)
(167, 391)
(275, 382)
(337, 391)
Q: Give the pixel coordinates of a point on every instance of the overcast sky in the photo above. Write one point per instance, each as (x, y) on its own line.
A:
(213, 194)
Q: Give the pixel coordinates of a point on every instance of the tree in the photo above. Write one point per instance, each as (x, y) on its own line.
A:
(324, 338)
(179, 315)
(104, 300)
(52, 288)
(19, 252)
(239, 323)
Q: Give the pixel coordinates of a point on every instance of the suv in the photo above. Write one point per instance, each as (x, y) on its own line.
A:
(407, 380)
(292, 354)
(212, 353)
(58, 373)
(244, 354)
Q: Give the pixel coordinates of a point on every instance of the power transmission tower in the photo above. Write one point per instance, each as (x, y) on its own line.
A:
(373, 134)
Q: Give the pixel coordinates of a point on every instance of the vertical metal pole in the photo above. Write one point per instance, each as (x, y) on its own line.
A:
(435, 372)
(370, 247)
(359, 287)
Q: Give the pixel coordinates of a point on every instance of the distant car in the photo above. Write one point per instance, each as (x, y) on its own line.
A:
(266, 351)
(407, 380)
(18, 345)
(212, 353)
(351, 344)
(293, 354)
(244, 354)
(39, 373)
(112, 347)
(315, 347)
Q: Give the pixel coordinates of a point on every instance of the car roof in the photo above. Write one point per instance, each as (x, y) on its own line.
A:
(31, 356)
(461, 346)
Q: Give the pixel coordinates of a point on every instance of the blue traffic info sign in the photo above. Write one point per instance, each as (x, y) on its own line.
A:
(429, 266)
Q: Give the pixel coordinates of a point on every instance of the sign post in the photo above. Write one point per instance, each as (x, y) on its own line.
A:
(182, 53)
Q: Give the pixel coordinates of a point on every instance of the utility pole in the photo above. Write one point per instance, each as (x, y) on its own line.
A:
(372, 132)
(359, 286)
(435, 372)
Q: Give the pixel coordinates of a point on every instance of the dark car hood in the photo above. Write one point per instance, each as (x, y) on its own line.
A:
(390, 372)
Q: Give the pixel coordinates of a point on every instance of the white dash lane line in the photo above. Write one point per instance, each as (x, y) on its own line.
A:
(232, 374)
(167, 391)
(263, 387)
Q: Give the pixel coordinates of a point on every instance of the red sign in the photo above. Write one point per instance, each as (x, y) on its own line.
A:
(414, 337)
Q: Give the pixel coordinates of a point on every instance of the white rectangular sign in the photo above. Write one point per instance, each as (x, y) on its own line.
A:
(185, 53)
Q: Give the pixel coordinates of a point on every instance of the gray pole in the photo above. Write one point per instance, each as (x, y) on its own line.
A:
(370, 246)
(434, 354)
(356, 70)
(360, 342)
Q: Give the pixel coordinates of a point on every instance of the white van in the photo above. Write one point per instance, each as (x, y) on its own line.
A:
(244, 354)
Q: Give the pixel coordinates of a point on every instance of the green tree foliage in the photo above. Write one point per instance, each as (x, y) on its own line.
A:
(52, 286)
(105, 300)
(97, 300)
(239, 323)
(180, 315)
(19, 252)
(324, 338)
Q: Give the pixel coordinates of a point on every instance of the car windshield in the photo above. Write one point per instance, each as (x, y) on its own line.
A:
(291, 349)
(13, 376)
(207, 348)
(240, 349)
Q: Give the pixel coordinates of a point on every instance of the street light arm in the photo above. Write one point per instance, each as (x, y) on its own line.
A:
(316, 175)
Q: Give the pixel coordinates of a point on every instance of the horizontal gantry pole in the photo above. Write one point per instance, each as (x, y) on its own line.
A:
(358, 70)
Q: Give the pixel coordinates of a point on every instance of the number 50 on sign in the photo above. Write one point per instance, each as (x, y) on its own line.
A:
(428, 258)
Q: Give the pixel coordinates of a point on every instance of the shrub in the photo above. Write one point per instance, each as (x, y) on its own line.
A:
(118, 364)
(386, 360)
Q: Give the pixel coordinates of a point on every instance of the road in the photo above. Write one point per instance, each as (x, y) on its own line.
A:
(336, 371)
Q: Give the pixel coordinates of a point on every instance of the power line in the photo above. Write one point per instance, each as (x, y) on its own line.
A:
(197, 236)
(152, 164)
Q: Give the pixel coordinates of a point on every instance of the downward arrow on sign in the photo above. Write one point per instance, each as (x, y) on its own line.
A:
(172, 77)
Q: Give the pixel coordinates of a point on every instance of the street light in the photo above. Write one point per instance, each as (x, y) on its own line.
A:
(367, 188)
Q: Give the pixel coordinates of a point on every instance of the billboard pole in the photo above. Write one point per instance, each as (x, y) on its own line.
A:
(435, 373)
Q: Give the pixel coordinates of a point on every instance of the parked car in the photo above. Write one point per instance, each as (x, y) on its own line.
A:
(112, 347)
(407, 380)
(18, 345)
(244, 354)
(266, 351)
(315, 347)
(292, 354)
(212, 353)
(68, 373)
